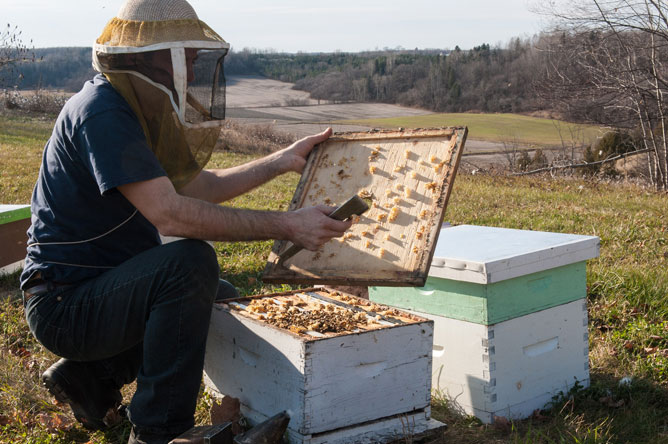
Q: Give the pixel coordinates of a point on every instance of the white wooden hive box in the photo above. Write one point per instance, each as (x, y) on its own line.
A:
(327, 382)
(488, 275)
(486, 255)
(514, 367)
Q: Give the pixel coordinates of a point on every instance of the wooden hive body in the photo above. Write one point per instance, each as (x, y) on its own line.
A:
(512, 368)
(509, 308)
(14, 222)
(330, 386)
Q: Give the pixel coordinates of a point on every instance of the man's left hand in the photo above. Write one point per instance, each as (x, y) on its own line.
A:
(293, 158)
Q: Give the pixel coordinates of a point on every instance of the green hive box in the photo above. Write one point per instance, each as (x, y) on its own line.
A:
(488, 275)
(14, 222)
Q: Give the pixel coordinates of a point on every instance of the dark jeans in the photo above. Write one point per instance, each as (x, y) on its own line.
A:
(146, 319)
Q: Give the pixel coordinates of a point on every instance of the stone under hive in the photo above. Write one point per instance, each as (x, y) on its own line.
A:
(346, 370)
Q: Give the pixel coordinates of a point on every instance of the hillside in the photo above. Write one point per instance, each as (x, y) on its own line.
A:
(486, 79)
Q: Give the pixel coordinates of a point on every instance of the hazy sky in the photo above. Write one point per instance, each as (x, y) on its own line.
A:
(299, 25)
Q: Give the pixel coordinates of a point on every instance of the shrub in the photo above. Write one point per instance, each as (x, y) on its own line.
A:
(610, 145)
(39, 101)
(523, 161)
(539, 159)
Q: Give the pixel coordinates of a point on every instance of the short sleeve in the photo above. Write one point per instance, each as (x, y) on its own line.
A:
(113, 147)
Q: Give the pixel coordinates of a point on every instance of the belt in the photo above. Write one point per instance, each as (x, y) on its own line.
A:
(36, 290)
(37, 286)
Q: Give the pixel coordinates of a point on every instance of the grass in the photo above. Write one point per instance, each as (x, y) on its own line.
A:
(21, 141)
(627, 299)
(513, 128)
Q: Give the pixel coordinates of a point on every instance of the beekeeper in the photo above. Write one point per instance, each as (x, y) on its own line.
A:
(125, 163)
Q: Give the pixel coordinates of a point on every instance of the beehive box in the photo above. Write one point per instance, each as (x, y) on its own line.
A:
(364, 384)
(14, 223)
(488, 275)
(512, 368)
(509, 308)
(406, 176)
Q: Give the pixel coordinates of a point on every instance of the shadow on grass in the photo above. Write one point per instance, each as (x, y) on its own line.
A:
(250, 283)
(9, 285)
(606, 412)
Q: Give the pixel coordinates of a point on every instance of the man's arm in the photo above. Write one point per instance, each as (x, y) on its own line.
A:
(220, 185)
(176, 215)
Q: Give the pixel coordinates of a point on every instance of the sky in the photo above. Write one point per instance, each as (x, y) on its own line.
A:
(299, 25)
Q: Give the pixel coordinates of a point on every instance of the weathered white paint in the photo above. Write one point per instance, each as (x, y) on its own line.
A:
(514, 367)
(382, 430)
(374, 432)
(325, 384)
(485, 255)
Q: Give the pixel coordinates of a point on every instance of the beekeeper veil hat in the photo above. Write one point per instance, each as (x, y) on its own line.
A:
(168, 65)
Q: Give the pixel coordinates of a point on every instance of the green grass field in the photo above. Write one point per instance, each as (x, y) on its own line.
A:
(627, 298)
(514, 128)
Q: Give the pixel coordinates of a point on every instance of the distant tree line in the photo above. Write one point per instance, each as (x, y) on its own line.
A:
(487, 79)
(55, 68)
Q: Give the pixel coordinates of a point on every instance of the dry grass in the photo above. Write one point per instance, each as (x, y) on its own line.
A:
(38, 101)
(261, 138)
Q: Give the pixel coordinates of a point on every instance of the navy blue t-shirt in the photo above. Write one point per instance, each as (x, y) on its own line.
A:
(81, 224)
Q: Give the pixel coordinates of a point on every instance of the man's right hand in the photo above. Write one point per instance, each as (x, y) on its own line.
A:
(176, 215)
(311, 227)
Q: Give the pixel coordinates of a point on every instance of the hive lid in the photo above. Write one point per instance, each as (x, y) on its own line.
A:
(11, 213)
(406, 176)
(485, 255)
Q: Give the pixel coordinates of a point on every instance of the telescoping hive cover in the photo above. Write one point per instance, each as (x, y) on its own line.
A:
(406, 177)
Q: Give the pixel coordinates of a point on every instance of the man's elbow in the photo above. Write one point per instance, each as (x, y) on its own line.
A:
(169, 228)
(165, 219)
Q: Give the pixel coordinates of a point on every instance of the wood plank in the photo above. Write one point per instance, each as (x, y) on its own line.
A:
(358, 377)
(11, 213)
(486, 255)
(13, 239)
(408, 175)
(416, 425)
(490, 303)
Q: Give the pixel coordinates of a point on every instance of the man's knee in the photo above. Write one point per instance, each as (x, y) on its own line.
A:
(197, 260)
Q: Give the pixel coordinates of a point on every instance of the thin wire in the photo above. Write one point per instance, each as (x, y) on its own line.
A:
(86, 240)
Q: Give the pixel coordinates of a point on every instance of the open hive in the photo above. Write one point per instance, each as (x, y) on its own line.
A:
(406, 176)
(340, 366)
(321, 314)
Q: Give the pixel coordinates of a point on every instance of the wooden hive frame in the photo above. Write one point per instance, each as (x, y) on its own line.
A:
(407, 176)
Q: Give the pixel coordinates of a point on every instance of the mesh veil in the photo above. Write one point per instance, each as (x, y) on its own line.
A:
(168, 65)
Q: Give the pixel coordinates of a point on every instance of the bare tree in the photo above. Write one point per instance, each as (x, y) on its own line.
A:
(608, 63)
(13, 51)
